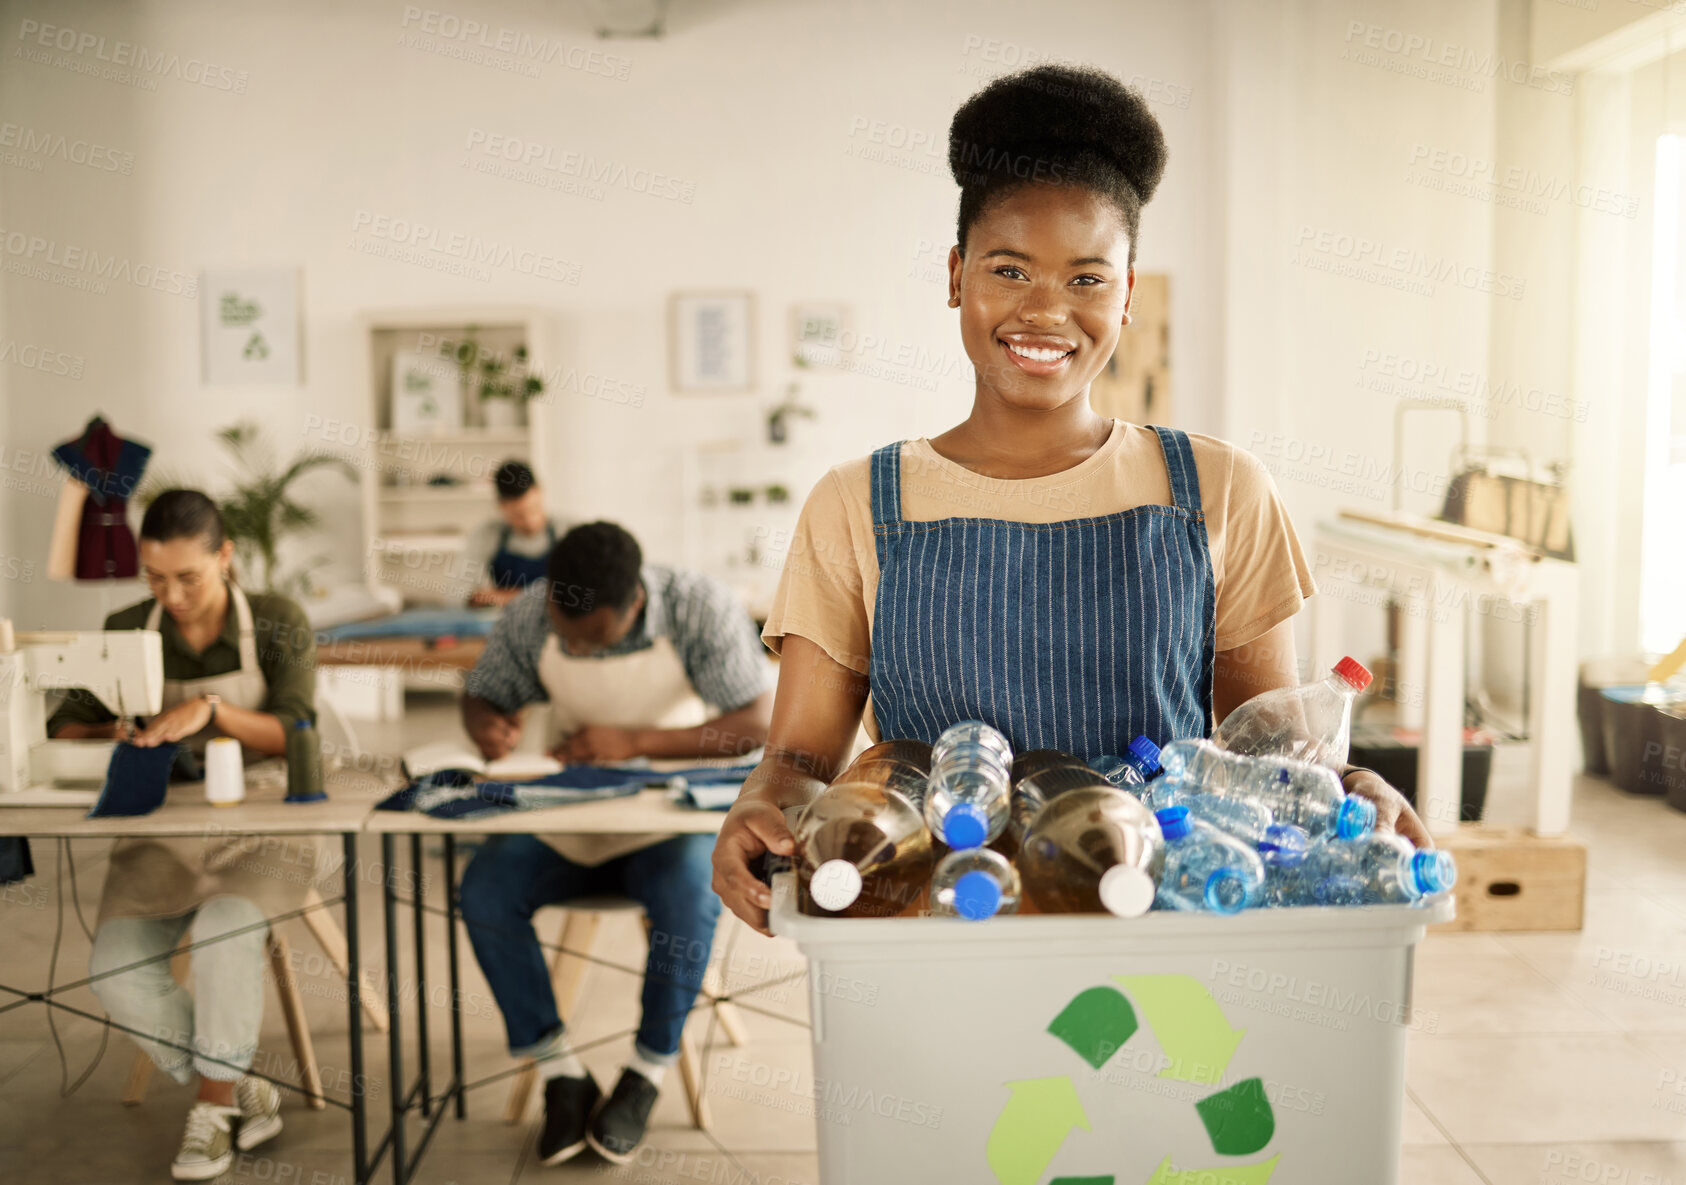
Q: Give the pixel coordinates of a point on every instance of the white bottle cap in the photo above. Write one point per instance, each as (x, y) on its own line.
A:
(835, 885)
(1127, 891)
(225, 775)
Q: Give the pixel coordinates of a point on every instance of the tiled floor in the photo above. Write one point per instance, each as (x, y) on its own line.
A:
(1545, 1059)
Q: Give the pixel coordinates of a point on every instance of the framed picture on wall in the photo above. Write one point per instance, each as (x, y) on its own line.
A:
(249, 326)
(711, 342)
(816, 333)
(426, 394)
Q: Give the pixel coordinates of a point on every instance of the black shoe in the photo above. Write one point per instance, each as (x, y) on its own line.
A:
(618, 1127)
(568, 1103)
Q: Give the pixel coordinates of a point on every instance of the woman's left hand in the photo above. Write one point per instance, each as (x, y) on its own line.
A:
(1393, 813)
(175, 724)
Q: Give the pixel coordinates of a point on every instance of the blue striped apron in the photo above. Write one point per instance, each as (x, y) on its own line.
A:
(1077, 635)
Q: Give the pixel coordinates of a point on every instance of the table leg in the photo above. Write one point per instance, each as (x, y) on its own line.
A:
(1440, 769)
(419, 916)
(451, 963)
(395, 1032)
(354, 1022)
(1551, 704)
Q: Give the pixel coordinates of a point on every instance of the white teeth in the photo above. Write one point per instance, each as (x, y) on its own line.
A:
(1037, 355)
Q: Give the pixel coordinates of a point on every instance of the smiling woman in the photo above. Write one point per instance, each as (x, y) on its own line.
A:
(971, 591)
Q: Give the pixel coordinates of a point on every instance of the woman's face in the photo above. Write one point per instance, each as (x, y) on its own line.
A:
(1043, 291)
(185, 574)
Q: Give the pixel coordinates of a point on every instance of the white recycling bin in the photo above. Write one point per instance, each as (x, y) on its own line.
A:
(1169, 1049)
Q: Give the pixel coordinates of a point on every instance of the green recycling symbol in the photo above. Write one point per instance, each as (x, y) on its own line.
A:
(1193, 1032)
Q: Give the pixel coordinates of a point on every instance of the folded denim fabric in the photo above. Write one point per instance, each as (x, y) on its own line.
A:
(136, 781)
(454, 794)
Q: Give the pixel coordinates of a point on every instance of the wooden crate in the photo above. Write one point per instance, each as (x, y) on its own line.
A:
(1510, 879)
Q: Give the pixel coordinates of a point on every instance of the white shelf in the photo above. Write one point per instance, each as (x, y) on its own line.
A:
(512, 436)
(403, 521)
(425, 494)
(399, 544)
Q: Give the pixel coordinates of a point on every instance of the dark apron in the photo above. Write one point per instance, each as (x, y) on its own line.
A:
(518, 571)
(1079, 635)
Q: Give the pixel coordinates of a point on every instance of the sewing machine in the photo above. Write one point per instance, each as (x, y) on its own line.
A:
(124, 668)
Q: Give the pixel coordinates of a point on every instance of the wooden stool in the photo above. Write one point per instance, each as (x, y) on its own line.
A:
(582, 916)
(332, 941)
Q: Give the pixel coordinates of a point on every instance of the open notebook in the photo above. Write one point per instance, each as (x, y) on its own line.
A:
(426, 759)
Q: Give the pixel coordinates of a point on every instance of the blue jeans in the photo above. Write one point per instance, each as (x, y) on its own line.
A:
(214, 1029)
(512, 876)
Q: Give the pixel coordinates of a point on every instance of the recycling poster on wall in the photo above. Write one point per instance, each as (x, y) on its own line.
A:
(249, 320)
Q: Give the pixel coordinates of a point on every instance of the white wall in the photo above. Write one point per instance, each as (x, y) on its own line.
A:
(763, 108)
(1297, 128)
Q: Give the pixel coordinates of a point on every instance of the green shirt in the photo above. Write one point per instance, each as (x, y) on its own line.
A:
(286, 648)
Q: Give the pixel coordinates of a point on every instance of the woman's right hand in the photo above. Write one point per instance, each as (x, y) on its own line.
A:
(816, 714)
(753, 827)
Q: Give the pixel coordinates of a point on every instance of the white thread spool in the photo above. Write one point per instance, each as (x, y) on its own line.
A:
(225, 773)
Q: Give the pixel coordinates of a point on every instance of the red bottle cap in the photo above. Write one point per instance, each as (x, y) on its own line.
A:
(1354, 672)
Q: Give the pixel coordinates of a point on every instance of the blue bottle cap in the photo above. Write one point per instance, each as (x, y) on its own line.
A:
(1284, 844)
(1226, 891)
(1355, 817)
(1435, 871)
(976, 896)
(965, 827)
(1174, 822)
(1147, 751)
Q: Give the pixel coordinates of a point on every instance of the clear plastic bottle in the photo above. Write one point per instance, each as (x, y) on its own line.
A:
(861, 851)
(1245, 819)
(1309, 796)
(966, 799)
(1374, 869)
(1093, 849)
(1311, 723)
(1204, 868)
(1137, 767)
(972, 732)
(1283, 850)
(975, 884)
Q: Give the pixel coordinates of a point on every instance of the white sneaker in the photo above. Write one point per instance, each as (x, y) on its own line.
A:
(260, 1112)
(207, 1146)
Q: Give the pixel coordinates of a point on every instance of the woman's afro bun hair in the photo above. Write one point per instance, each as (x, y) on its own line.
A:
(1056, 125)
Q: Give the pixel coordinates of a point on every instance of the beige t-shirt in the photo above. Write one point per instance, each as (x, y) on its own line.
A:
(829, 587)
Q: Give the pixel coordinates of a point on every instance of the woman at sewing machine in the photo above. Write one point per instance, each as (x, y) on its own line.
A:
(236, 664)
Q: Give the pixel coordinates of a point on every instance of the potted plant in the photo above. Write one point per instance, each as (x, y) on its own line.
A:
(260, 511)
(505, 388)
(778, 418)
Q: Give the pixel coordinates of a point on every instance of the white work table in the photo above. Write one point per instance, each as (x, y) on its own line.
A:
(351, 796)
(650, 810)
(1439, 573)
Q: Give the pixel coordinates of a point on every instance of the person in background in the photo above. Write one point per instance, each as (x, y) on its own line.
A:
(507, 553)
(217, 682)
(635, 660)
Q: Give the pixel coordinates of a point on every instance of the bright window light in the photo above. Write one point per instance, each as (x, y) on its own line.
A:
(1662, 570)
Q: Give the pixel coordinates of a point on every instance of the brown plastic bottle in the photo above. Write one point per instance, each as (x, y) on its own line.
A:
(1093, 849)
(862, 851)
(900, 765)
(1038, 776)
